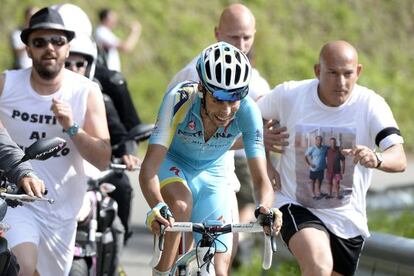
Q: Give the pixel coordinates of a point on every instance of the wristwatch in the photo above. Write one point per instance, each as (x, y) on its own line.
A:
(30, 174)
(73, 130)
(379, 157)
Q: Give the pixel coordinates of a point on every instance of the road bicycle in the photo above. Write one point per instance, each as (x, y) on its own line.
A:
(200, 260)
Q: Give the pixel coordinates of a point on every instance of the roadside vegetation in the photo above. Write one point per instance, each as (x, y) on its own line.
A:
(289, 36)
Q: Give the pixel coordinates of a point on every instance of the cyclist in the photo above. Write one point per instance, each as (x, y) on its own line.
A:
(184, 167)
(237, 26)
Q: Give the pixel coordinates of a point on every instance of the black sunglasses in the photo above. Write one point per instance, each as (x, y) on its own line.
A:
(56, 40)
(77, 63)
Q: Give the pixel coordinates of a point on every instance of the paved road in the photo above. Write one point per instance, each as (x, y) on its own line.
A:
(137, 254)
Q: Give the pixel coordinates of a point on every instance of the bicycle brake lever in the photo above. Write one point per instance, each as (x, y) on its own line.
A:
(273, 243)
(161, 238)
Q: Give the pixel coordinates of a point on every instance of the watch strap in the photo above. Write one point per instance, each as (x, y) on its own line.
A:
(379, 157)
(73, 130)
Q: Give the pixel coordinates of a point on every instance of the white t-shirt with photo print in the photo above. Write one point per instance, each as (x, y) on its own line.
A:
(356, 122)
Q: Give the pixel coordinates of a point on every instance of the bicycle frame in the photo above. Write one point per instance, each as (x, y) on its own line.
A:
(205, 251)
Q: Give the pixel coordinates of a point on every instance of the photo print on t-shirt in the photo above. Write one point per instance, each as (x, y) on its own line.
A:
(324, 176)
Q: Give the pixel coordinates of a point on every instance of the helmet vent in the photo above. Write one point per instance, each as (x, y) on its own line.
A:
(228, 59)
(207, 67)
(218, 72)
(216, 54)
(237, 56)
(228, 76)
(238, 74)
(246, 74)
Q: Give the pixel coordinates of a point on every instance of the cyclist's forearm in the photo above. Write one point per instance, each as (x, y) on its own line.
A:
(149, 183)
(265, 193)
(263, 187)
(151, 191)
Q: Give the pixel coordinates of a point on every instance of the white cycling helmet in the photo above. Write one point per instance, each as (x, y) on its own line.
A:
(78, 21)
(224, 71)
(84, 45)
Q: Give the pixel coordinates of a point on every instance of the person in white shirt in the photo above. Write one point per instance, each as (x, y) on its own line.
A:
(46, 100)
(326, 236)
(109, 43)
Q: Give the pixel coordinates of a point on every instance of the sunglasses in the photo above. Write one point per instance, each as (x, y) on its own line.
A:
(77, 63)
(56, 40)
(232, 95)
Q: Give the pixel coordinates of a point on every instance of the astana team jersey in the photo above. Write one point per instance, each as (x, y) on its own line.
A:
(258, 87)
(27, 116)
(356, 122)
(179, 128)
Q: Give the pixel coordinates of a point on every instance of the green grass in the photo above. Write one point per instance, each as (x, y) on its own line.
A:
(289, 36)
(277, 269)
(399, 224)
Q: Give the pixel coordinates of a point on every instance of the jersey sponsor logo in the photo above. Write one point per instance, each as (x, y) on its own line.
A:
(199, 133)
(222, 135)
(182, 98)
(259, 135)
(175, 170)
(190, 134)
(191, 125)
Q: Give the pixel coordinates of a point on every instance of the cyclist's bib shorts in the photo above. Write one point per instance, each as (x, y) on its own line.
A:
(209, 191)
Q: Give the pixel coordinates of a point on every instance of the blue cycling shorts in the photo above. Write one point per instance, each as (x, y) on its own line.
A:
(210, 192)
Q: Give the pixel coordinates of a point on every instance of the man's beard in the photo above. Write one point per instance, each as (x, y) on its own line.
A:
(47, 73)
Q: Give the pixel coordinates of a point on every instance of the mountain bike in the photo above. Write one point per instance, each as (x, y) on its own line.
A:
(200, 260)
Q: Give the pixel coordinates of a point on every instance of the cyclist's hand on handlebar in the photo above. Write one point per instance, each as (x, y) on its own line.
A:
(269, 217)
(130, 161)
(32, 185)
(159, 215)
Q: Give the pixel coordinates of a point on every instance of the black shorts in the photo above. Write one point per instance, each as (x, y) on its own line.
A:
(316, 175)
(345, 252)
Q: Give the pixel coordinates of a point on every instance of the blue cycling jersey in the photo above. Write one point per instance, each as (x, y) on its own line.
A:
(179, 128)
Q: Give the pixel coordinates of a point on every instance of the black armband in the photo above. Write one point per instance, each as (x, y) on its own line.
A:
(386, 132)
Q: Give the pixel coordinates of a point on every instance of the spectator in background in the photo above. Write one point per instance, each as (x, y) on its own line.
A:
(109, 43)
(21, 59)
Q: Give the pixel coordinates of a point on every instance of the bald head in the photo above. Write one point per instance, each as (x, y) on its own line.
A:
(338, 70)
(237, 26)
(340, 51)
